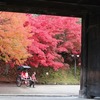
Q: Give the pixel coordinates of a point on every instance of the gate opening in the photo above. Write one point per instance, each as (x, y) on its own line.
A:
(49, 44)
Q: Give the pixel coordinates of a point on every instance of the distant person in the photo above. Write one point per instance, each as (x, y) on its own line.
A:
(24, 75)
(33, 79)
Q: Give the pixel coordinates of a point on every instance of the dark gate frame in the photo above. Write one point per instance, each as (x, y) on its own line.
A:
(89, 86)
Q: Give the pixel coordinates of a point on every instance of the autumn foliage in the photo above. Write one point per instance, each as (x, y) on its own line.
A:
(38, 40)
(53, 35)
(13, 38)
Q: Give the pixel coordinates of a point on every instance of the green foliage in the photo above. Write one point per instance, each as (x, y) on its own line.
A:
(45, 75)
(62, 76)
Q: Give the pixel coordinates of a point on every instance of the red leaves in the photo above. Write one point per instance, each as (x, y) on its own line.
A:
(53, 34)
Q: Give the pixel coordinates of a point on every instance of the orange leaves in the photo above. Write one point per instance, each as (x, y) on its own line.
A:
(14, 37)
(45, 37)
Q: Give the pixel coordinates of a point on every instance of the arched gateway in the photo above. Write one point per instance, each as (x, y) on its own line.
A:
(89, 11)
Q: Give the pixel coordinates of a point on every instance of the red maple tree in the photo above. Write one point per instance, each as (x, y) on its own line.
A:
(53, 35)
(38, 39)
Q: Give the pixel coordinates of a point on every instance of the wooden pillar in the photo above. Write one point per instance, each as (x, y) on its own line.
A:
(90, 76)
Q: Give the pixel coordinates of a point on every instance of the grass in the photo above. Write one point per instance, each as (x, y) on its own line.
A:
(59, 77)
